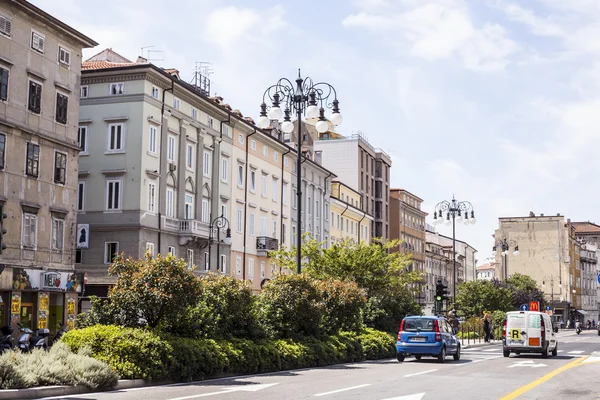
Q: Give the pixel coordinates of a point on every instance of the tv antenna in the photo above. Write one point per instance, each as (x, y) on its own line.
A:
(201, 79)
(150, 51)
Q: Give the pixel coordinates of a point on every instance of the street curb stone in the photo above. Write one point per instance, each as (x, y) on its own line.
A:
(52, 391)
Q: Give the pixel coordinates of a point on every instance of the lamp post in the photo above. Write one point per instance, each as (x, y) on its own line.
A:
(551, 289)
(303, 98)
(219, 224)
(506, 245)
(454, 211)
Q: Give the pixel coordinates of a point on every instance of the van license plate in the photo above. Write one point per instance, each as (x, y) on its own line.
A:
(417, 339)
(516, 342)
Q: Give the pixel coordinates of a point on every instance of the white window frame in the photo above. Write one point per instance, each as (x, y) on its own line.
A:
(206, 164)
(240, 138)
(119, 89)
(205, 210)
(170, 202)
(274, 184)
(171, 144)
(150, 248)
(317, 209)
(238, 266)
(240, 175)
(121, 145)
(67, 52)
(224, 169)
(189, 156)
(223, 263)
(253, 181)
(81, 195)
(265, 151)
(263, 266)
(152, 137)
(32, 242)
(285, 161)
(263, 185)
(7, 26)
(151, 197)
(263, 225)
(194, 114)
(189, 212)
(276, 155)
(206, 261)
(239, 220)
(40, 47)
(251, 268)
(251, 221)
(171, 250)
(284, 195)
(83, 149)
(119, 198)
(107, 256)
(253, 144)
(190, 258)
(155, 92)
(84, 91)
(176, 103)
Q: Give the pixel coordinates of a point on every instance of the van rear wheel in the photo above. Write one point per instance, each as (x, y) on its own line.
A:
(506, 353)
(555, 351)
(545, 353)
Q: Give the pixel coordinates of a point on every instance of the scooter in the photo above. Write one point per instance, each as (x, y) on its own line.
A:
(26, 334)
(40, 341)
(6, 340)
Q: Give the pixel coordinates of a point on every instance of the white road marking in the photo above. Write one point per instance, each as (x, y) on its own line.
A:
(528, 363)
(491, 349)
(560, 351)
(417, 396)
(248, 388)
(576, 352)
(591, 359)
(420, 373)
(342, 390)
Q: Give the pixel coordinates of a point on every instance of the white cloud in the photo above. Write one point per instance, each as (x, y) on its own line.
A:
(539, 26)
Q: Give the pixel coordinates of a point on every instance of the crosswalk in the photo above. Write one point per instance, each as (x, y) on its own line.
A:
(498, 350)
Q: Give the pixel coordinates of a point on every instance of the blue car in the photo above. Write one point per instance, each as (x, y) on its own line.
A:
(427, 336)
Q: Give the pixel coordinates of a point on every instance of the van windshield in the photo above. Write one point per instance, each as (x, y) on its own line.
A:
(422, 324)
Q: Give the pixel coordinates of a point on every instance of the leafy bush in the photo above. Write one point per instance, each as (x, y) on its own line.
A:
(467, 335)
(343, 305)
(385, 312)
(132, 353)
(193, 359)
(290, 307)
(377, 344)
(59, 366)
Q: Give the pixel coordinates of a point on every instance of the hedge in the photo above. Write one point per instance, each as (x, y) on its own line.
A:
(141, 354)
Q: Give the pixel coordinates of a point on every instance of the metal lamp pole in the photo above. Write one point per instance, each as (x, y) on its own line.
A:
(506, 245)
(305, 97)
(219, 224)
(454, 210)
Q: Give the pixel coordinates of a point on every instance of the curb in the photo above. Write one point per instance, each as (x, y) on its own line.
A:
(475, 345)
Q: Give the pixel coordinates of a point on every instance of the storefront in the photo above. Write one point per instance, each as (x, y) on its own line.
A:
(37, 299)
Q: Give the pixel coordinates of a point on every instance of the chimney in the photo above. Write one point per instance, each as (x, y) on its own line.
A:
(568, 220)
(318, 156)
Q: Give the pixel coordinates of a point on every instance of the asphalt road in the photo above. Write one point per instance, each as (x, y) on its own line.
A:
(482, 373)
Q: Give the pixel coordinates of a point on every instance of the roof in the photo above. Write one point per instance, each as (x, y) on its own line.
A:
(484, 267)
(586, 227)
(108, 58)
(406, 191)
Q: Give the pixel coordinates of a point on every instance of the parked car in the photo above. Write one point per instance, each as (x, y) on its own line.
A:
(528, 332)
(427, 336)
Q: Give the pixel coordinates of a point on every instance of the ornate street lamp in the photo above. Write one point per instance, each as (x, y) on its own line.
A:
(505, 245)
(219, 224)
(452, 212)
(303, 98)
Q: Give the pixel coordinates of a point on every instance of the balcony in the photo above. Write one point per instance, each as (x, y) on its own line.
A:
(186, 227)
(265, 244)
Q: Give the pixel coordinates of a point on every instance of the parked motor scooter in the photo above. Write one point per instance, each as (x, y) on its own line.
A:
(26, 334)
(40, 340)
(6, 340)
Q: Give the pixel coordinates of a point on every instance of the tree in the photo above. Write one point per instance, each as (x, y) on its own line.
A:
(524, 290)
(155, 290)
(475, 297)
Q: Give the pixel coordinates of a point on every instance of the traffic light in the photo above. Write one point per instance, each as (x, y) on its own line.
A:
(3, 216)
(439, 290)
(445, 292)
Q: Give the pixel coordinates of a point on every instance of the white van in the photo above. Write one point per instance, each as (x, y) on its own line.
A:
(528, 332)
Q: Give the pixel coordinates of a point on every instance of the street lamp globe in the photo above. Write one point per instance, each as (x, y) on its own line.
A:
(459, 218)
(448, 222)
(322, 126)
(472, 220)
(287, 127)
(336, 118)
(312, 111)
(263, 122)
(275, 113)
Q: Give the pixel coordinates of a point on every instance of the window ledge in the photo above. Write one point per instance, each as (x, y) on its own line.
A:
(114, 172)
(107, 153)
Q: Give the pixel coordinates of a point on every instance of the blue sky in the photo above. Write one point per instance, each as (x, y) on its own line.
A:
(494, 101)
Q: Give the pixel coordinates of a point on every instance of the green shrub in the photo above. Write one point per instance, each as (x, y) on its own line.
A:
(195, 359)
(290, 307)
(377, 344)
(12, 376)
(132, 353)
(467, 335)
(343, 305)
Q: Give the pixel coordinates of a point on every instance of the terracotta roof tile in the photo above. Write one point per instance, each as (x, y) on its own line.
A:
(586, 227)
(485, 266)
(91, 65)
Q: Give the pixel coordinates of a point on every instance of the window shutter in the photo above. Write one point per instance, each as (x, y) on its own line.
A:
(5, 25)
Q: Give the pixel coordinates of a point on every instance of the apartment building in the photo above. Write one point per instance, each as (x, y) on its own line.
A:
(486, 272)
(407, 222)
(155, 169)
(588, 235)
(547, 253)
(348, 220)
(40, 66)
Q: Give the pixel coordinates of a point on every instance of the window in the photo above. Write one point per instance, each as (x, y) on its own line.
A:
(190, 259)
(284, 194)
(206, 262)
(82, 134)
(262, 269)
(226, 130)
(223, 263)
(189, 156)
(253, 144)
(309, 205)
(189, 207)
(317, 209)
(176, 103)
(64, 56)
(238, 265)
(3, 81)
(37, 41)
(276, 156)
(274, 228)
(205, 211)
(83, 92)
(116, 89)
(33, 159)
(239, 220)
(206, 163)
(251, 229)
(241, 139)
(294, 199)
(150, 248)
(111, 250)
(224, 169)
(194, 113)
(113, 195)
(240, 175)
(78, 256)
(282, 233)
(169, 211)
(155, 92)
(252, 181)
(171, 148)
(224, 209)
(210, 122)
(115, 137)
(29, 230)
(251, 268)
(34, 98)
(263, 225)
(263, 187)
(327, 212)
(60, 168)
(81, 196)
(151, 196)
(5, 26)
(285, 161)
(274, 194)
(152, 139)
(265, 151)
(171, 250)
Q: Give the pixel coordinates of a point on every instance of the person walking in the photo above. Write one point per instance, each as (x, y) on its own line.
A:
(487, 327)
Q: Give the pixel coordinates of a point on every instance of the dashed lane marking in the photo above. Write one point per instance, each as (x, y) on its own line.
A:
(342, 390)
(577, 352)
(420, 373)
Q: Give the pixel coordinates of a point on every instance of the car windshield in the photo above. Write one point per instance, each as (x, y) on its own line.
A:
(422, 324)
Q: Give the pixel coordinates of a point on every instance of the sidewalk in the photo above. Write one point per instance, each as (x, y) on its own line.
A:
(466, 344)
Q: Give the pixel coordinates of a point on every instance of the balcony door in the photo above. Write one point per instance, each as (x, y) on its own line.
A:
(189, 206)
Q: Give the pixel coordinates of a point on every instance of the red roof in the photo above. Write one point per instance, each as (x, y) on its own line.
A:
(586, 227)
(91, 65)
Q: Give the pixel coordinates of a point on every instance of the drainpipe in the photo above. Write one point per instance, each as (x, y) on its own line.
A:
(360, 222)
(246, 207)
(161, 164)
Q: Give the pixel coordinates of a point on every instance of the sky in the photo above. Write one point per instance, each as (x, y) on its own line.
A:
(494, 102)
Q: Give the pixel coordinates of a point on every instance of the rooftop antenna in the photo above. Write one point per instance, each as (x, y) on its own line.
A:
(154, 59)
(201, 80)
(142, 50)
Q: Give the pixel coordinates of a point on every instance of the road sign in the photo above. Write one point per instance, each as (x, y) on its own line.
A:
(599, 278)
(547, 308)
(524, 307)
(534, 306)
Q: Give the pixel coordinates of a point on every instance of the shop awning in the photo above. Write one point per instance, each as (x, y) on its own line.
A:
(582, 312)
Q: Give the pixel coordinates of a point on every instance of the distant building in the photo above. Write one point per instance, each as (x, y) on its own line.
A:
(486, 272)
(407, 222)
(348, 220)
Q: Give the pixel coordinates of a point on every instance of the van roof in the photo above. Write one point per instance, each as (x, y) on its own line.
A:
(422, 316)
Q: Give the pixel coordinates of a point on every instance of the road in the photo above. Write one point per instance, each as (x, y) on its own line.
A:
(482, 373)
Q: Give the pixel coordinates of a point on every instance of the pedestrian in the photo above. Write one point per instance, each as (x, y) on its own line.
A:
(487, 327)
(568, 324)
(593, 323)
(589, 324)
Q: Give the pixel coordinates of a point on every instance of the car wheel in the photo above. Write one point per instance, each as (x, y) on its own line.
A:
(417, 357)
(555, 351)
(400, 357)
(442, 355)
(506, 353)
(456, 355)
(545, 353)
